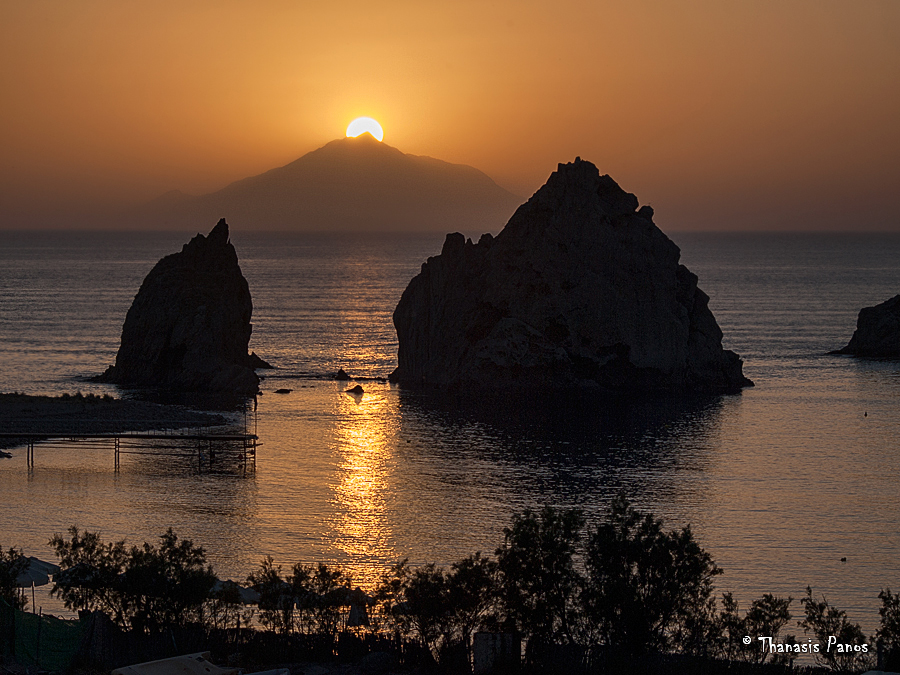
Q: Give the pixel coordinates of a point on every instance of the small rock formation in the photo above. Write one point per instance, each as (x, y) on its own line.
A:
(356, 391)
(189, 325)
(877, 331)
(579, 290)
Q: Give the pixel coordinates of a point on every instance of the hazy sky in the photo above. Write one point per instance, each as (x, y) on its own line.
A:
(722, 114)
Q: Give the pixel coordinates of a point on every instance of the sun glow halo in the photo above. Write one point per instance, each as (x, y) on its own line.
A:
(362, 125)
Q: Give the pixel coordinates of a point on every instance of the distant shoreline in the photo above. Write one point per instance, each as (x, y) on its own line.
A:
(91, 414)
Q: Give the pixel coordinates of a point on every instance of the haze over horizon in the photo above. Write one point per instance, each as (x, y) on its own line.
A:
(722, 116)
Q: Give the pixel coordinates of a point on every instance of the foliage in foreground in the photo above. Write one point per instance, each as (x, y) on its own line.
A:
(628, 586)
(12, 564)
(845, 648)
(648, 589)
(144, 588)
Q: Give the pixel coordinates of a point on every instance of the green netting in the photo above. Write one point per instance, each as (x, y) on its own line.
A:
(47, 642)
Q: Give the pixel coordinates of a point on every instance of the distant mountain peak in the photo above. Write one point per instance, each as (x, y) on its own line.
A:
(349, 184)
(349, 145)
(364, 137)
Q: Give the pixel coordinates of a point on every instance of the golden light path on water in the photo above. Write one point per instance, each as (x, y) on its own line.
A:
(364, 439)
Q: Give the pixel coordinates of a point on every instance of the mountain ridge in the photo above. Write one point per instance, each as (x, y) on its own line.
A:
(349, 184)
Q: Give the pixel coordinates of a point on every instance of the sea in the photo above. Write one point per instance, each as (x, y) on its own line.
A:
(794, 482)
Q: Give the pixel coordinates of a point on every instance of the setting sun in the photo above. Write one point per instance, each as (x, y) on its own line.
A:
(362, 125)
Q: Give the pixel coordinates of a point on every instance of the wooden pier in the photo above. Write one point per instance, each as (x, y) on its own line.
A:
(210, 446)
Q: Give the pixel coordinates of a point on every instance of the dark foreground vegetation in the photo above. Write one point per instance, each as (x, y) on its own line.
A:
(626, 596)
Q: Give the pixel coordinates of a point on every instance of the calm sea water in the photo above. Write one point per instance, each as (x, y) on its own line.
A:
(779, 483)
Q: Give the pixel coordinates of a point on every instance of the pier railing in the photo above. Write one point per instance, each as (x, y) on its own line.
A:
(206, 444)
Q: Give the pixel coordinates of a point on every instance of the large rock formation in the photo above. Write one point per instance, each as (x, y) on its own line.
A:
(189, 325)
(877, 331)
(580, 289)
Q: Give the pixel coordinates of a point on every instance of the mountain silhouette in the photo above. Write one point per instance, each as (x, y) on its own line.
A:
(349, 184)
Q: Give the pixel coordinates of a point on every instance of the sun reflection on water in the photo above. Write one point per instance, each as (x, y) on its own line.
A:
(364, 440)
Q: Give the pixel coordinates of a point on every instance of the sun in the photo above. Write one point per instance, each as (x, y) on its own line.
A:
(362, 125)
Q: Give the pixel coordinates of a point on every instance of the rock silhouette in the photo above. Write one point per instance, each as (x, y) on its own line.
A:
(189, 325)
(579, 290)
(877, 331)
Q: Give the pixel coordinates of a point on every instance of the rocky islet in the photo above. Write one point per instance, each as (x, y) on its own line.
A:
(580, 290)
(877, 331)
(189, 328)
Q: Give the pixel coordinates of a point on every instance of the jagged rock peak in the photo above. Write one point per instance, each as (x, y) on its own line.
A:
(219, 234)
(580, 289)
(189, 327)
(568, 186)
(213, 247)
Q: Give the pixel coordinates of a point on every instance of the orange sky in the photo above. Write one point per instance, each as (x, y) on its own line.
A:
(737, 114)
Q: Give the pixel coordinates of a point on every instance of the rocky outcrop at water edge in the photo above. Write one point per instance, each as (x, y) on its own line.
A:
(580, 290)
(189, 327)
(877, 331)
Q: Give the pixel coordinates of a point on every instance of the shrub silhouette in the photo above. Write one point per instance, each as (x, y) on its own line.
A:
(166, 585)
(825, 621)
(767, 616)
(91, 576)
(440, 609)
(12, 564)
(390, 596)
(427, 606)
(310, 600)
(145, 588)
(276, 597)
(889, 634)
(225, 608)
(627, 589)
(646, 586)
(539, 584)
(321, 594)
(472, 594)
